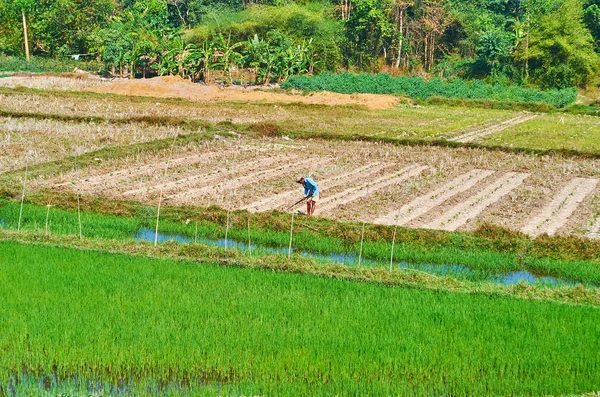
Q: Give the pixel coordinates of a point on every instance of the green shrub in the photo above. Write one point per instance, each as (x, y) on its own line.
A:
(418, 88)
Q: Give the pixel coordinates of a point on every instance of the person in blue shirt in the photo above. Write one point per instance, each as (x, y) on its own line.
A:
(311, 193)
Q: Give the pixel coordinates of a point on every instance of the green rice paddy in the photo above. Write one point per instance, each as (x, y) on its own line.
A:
(108, 317)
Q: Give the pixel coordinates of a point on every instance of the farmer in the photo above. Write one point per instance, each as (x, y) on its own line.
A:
(311, 194)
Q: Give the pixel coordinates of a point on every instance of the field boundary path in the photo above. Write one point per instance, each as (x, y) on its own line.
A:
(556, 214)
(471, 208)
(426, 202)
(356, 193)
(212, 176)
(273, 202)
(481, 133)
(235, 183)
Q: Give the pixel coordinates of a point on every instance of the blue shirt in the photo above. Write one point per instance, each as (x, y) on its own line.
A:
(310, 187)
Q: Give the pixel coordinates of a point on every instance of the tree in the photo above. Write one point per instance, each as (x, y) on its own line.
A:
(591, 17)
(367, 28)
(561, 48)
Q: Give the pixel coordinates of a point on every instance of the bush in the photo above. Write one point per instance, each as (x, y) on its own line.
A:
(418, 88)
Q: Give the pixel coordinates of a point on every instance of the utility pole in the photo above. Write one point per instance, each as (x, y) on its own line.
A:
(25, 35)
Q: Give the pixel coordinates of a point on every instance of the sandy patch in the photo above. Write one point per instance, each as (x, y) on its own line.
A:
(176, 87)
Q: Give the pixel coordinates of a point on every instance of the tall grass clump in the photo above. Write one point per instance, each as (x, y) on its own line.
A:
(418, 88)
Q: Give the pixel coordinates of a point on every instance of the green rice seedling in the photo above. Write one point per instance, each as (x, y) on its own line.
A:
(126, 320)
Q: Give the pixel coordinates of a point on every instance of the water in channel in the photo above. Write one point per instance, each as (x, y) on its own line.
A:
(146, 234)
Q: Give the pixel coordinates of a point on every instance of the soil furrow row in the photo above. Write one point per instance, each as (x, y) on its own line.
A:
(284, 198)
(236, 183)
(555, 215)
(112, 178)
(595, 230)
(471, 208)
(356, 193)
(426, 202)
(207, 177)
(473, 135)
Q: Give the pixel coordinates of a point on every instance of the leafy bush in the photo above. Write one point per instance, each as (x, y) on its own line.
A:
(418, 88)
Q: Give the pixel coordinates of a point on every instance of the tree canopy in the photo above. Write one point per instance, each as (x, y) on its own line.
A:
(550, 43)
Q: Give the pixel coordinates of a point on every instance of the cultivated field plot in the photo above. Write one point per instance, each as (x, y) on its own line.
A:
(438, 188)
(33, 141)
(324, 113)
(560, 131)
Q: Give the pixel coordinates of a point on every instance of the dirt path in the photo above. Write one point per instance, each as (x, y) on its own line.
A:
(461, 213)
(356, 193)
(556, 214)
(207, 176)
(233, 184)
(473, 135)
(285, 198)
(426, 202)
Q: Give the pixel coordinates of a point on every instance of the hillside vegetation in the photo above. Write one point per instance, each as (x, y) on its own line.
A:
(545, 43)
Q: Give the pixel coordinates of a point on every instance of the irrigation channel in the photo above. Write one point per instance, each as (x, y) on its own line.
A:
(456, 270)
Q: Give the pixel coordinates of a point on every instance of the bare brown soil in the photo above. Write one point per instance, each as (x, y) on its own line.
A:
(556, 213)
(176, 87)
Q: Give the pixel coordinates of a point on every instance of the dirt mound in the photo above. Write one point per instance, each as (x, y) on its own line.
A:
(176, 87)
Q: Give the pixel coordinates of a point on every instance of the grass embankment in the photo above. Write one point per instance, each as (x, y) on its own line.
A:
(124, 319)
(404, 125)
(487, 252)
(418, 88)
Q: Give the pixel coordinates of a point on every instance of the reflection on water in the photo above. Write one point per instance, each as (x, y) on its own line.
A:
(146, 234)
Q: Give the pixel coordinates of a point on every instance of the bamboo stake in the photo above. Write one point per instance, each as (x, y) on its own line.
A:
(196, 234)
(23, 194)
(362, 238)
(291, 237)
(394, 240)
(47, 216)
(229, 202)
(249, 242)
(160, 197)
(25, 35)
(227, 225)
(79, 217)
(78, 204)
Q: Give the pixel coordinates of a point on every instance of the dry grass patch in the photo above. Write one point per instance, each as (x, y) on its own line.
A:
(47, 140)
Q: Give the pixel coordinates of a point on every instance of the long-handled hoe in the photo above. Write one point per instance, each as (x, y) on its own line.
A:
(298, 202)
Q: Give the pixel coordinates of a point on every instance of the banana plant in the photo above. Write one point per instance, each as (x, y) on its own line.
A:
(228, 55)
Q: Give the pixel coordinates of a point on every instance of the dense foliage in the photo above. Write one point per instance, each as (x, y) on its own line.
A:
(550, 43)
(417, 87)
(118, 319)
